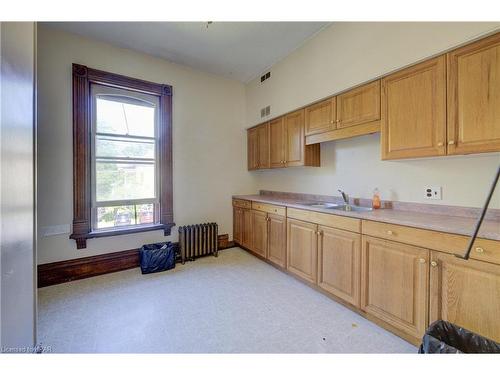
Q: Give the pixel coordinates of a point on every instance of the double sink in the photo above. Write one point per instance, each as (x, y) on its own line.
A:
(338, 207)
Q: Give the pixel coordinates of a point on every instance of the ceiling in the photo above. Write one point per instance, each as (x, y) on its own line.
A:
(237, 50)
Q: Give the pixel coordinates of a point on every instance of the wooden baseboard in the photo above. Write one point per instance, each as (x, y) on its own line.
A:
(82, 268)
(74, 269)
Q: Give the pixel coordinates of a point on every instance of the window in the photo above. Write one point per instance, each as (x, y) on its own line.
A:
(124, 158)
(122, 179)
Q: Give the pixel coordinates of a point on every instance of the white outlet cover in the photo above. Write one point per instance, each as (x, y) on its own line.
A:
(433, 192)
(55, 230)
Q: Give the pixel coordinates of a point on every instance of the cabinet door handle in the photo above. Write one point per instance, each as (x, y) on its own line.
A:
(434, 263)
(479, 250)
(421, 260)
(451, 142)
(389, 232)
(440, 144)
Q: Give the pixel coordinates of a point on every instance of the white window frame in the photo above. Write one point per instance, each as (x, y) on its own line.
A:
(133, 97)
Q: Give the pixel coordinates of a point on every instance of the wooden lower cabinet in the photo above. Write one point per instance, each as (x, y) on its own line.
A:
(400, 286)
(466, 293)
(339, 261)
(302, 249)
(395, 284)
(276, 251)
(237, 224)
(246, 231)
(259, 233)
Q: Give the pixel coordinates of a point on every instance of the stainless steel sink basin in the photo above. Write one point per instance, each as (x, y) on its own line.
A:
(339, 207)
(350, 208)
(321, 204)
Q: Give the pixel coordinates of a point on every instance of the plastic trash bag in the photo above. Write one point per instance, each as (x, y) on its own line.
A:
(445, 337)
(157, 257)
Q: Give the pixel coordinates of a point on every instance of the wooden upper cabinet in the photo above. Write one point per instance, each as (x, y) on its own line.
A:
(277, 141)
(339, 262)
(302, 249)
(466, 293)
(295, 142)
(394, 284)
(320, 117)
(413, 112)
(252, 149)
(263, 145)
(474, 97)
(297, 153)
(258, 147)
(359, 106)
(276, 250)
(259, 232)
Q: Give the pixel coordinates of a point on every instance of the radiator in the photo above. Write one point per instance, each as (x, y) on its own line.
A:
(198, 240)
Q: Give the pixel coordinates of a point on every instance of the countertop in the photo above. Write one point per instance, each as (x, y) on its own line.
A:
(490, 229)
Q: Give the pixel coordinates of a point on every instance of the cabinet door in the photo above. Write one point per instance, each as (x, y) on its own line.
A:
(394, 284)
(276, 251)
(295, 142)
(259, 232)
(474, 97)
(339, 262)
(263, 146)
(359, 106)
(237, 224)
(247, 229)
(466, 293)
(320, 117)
(252, 149)
(413, 116)
(302, 249)
(277, 142)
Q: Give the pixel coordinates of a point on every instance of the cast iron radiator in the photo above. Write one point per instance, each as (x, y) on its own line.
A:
(198, 240)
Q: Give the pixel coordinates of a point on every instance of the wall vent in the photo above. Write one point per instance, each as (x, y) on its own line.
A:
(266, 111)
(265, 76)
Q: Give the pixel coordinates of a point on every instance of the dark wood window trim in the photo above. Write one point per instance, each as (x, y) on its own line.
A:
(83, 77)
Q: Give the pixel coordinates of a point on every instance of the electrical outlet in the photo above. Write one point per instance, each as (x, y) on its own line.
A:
(433, 192)
(55, 230)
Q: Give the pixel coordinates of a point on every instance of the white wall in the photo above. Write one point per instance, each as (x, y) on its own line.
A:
(209, 143)
(345, 55)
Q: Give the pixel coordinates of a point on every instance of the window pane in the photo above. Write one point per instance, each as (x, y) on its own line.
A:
(124, 181)
(116, 117)
(122, 148)
(111, 217)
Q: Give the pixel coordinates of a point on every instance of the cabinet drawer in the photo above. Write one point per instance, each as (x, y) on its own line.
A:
(269, 208)
(485, 250)
(329, 220)
(242, 203)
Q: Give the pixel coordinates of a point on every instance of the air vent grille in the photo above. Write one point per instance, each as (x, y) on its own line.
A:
(265, 76)
(266, 111)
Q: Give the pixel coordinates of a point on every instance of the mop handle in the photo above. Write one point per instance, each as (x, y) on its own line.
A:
(480, 221)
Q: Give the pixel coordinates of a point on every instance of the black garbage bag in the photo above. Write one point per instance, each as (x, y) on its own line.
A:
(445, 337)
(157, 257)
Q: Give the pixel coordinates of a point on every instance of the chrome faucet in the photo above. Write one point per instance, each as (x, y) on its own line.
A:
(345, 197)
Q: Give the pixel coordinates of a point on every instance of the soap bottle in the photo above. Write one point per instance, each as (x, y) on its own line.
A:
(376, 199)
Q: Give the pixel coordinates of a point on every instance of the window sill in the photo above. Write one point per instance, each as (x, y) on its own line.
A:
(81, 239)
(129, 230)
